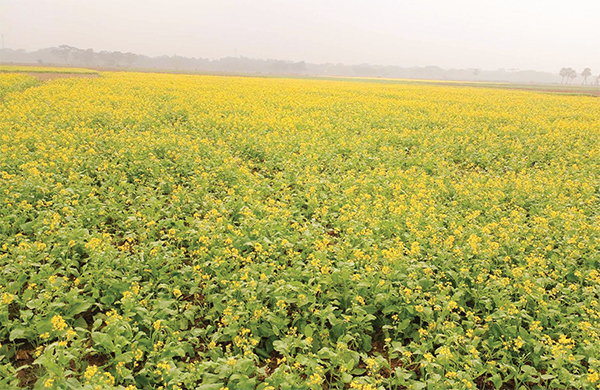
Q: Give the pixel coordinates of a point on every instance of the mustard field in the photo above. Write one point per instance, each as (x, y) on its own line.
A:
(44, 69)
(12, 82)
(199, 232)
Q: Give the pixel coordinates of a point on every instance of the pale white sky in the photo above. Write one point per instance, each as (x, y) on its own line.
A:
(525, 34)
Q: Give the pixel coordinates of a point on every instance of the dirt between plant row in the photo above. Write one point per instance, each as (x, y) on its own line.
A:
(51, 76)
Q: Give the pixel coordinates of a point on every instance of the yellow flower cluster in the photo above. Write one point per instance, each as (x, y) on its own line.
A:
(58, 323)
(281, 225)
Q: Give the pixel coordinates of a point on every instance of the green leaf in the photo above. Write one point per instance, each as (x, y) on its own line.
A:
(326, 353)
(210, 386)
(416, 385)
(79, 307)
(403, 325)
(17, 334)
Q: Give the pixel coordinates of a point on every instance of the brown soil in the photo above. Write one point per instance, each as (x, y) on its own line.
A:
(587, 91)
(51, 76)
(590, 92)
(23, 359)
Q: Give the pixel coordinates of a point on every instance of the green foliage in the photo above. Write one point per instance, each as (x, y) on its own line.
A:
(15, 83)
(191, 232)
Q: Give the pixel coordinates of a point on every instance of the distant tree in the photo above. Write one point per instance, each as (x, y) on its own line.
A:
(118, 57)
(587, 72)
(564, 72)
(299, 67)
(572, 75)
(63, 52)
(129, 58)
(75, 54)
(85, 57)
(106, 59)
(597, 80)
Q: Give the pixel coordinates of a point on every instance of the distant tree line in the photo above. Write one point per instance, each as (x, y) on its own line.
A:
(72, 56)
(570, 74)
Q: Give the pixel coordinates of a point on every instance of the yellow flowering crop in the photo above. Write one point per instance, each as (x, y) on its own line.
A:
(175, 231)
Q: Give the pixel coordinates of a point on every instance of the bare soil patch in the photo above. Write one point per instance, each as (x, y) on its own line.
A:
(51, 76)
(590, 92)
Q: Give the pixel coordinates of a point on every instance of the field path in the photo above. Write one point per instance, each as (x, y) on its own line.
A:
(50, 76)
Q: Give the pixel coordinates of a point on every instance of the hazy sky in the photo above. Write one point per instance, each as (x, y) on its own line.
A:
(525, 34)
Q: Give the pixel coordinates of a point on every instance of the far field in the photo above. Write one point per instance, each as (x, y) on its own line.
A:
(62, 71)
(167, 231)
